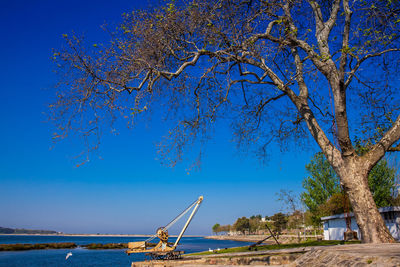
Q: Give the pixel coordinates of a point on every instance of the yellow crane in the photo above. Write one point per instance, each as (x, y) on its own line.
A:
(164, 249)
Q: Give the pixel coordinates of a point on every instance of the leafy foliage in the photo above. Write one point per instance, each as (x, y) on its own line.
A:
(295, 220)
(279, 221)
(323, 195)
(321, 184)
(334, 205)
(381, 181)
(242, 225)
(216, 228)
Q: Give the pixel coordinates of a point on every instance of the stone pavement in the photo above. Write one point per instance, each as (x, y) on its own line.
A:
(381, 255)
(371, 255)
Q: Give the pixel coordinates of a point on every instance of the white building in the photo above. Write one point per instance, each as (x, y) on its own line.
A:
(335, 225)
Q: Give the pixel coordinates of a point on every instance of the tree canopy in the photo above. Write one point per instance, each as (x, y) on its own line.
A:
(381, 181)
(242, 225)
(279, 221)
(216, 228)
(321, 184)
(323, 195)
(276, 70)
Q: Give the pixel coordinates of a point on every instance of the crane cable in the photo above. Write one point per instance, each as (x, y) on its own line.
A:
(174, 220)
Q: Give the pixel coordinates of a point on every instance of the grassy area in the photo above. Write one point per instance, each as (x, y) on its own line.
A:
(106, 246)
(276, 247)
(15, 247)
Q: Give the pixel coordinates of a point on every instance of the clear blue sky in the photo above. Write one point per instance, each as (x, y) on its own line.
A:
(127, 190)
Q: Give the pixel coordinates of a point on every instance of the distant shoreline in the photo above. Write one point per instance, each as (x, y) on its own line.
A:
(94, 235)
(101, 235)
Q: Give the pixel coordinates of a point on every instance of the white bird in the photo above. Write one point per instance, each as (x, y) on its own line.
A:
(68, 255)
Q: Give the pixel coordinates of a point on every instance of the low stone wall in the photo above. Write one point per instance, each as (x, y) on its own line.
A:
(266, 260)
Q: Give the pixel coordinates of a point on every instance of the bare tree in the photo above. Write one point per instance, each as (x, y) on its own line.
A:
(292, 204)
(289, 200)
(277, 70)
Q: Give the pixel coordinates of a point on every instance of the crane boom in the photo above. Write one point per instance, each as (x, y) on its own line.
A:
(188, 221)
(163, 249)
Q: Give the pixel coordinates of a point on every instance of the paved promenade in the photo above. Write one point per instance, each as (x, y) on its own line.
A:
(371, 255)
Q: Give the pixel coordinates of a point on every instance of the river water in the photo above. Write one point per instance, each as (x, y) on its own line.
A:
(84, 257)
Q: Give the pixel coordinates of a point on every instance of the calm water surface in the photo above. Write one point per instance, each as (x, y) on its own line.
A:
(85, 257)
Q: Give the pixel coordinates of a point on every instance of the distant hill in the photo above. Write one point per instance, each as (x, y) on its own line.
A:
(4, 230)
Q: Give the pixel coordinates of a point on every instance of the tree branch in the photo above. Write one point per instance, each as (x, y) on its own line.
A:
(263, 103)
(299, 74)
(394, 148)
(345, 41)
(359, 62)
(323, 29)
(383, 145)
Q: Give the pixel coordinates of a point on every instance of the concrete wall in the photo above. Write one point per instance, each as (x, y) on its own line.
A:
(335, 226)
(334, 229)
(394, 230)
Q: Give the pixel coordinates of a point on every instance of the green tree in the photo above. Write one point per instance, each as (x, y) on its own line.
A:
(242, 225)
(225, 228)
(277, 70)
(279, 221)
(309, 218)
(256, 217)
(323, 195)
(381, 181)
(334, 205)
(255, 224)
(321, 183)
(294, 220)
(216, 228)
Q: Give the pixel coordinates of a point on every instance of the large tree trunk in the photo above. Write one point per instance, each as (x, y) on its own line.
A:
(369, 221)
(353, 172)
